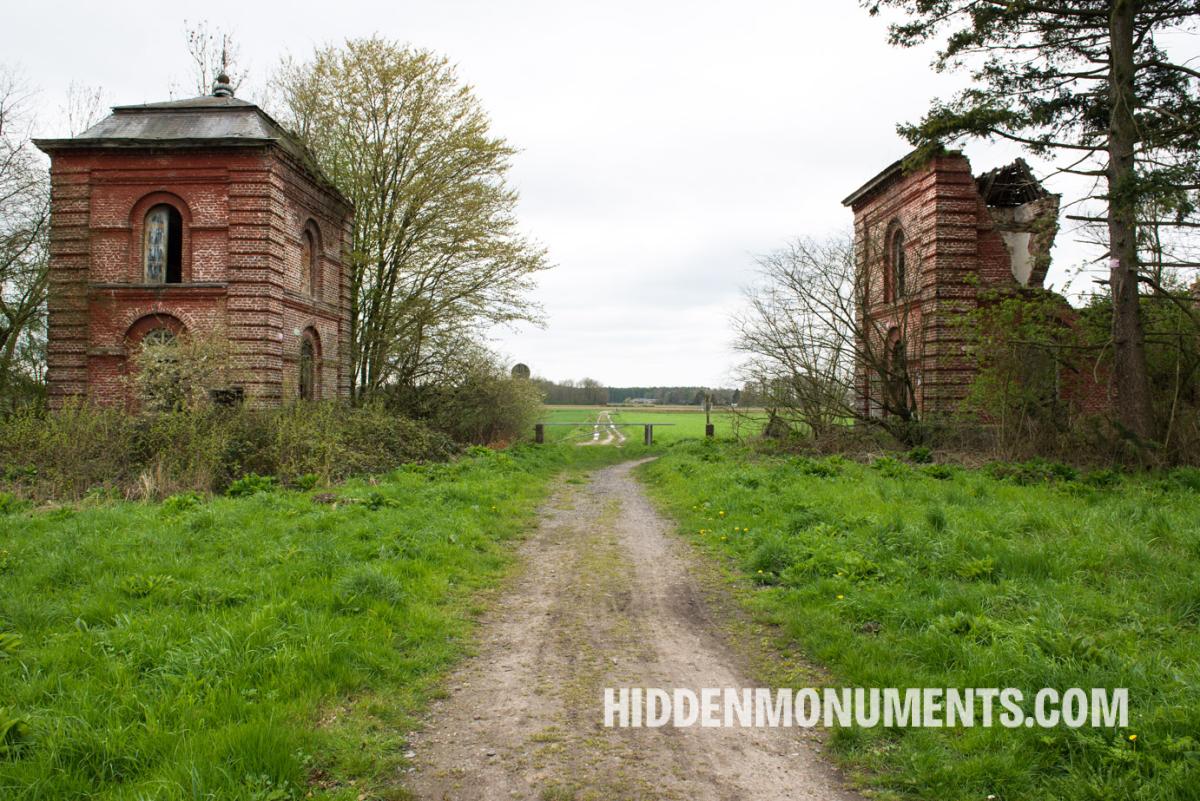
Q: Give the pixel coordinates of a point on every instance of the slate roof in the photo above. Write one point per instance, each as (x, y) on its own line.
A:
(206, 121)
(191, 122)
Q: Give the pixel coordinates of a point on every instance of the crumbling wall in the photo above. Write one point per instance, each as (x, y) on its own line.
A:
(1028, 232)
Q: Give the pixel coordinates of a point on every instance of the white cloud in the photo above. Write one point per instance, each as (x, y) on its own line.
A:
(663, 143)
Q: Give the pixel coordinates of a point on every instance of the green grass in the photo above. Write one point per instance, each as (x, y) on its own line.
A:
(275, 645)
(259, 647)
(932, 576)
(683, 424)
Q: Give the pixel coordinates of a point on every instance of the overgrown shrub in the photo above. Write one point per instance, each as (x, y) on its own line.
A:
(82, 449)
(1023, 343)
(482, 405)
(65, 453)
(178, 373)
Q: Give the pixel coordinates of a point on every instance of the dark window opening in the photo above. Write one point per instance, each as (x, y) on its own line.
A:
(307, 369)
(898, 369)
(310, 262)
(164, 245)
(898, 271)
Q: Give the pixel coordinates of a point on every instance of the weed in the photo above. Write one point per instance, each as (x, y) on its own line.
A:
(941, 472)
(177, 504)
(891, 468)
(139, 586)
(9, 643)
(920, 455)
(9, 503)
(15, 734)
(250, 484)
(1035, 471)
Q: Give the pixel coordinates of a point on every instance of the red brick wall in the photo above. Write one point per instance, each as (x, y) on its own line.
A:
(938, 208)
(954, 250)
(243, 210)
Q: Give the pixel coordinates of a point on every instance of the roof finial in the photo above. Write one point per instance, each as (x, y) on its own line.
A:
(222, 88)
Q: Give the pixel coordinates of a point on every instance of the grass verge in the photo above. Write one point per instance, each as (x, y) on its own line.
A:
(267, 647)
(902, 575)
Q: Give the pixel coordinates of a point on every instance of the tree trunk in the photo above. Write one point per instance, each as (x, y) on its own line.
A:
(1129, 347)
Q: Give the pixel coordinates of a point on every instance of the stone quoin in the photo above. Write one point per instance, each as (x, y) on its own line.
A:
(201, 217)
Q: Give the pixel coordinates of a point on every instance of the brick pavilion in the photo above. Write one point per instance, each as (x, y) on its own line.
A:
(205, 217)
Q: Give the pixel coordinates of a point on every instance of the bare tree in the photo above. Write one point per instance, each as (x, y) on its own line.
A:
(214, 52)
(24, 227)
(814, 354)
(83, 108)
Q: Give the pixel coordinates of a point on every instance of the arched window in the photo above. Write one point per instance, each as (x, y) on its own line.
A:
(899, 283)
(159, 336)
(310, 356)
(310, 260)
(163, 247)
(154, 329)
(897, 373)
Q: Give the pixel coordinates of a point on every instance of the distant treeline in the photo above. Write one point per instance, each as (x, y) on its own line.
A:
(588, 391)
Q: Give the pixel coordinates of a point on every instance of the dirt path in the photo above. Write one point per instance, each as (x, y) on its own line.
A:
(604, 422)
(606, 599)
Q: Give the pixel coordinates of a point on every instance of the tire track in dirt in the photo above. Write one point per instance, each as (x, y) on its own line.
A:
(605, 599)
(604, 423)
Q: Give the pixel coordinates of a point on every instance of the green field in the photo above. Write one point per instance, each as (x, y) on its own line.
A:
(254, 647)
(904, 575)
(683, 423)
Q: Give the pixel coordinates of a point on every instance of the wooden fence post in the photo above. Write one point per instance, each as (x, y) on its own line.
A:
(649, 438)
(539, 433)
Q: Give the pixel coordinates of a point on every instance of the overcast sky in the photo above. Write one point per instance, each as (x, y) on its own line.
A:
(663, 144)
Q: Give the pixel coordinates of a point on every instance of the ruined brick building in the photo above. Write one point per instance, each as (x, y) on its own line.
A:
(200, 216)
(932, 240)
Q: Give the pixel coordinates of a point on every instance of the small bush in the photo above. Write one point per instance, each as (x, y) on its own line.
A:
(306, 482)
(1187, 478)
(920, 455)
(180, 503)
(178, 373)
(1035, 471)
(1103, 479)
(940, 472)
(480, 404)
(891, 468)
(250, 484)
